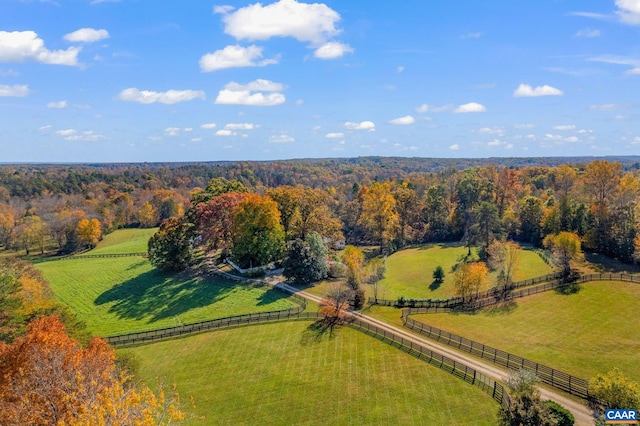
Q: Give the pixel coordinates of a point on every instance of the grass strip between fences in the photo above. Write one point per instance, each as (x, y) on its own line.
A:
(558, 379)
(93, 256)
(462, 371)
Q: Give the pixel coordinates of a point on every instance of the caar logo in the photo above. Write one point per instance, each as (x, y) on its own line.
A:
(621, 417)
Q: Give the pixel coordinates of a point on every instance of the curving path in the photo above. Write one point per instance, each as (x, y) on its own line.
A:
(580, 411)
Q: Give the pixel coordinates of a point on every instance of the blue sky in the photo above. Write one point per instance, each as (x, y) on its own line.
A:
(143, 80)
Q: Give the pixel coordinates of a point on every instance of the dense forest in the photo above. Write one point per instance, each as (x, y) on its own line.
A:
(390, 202)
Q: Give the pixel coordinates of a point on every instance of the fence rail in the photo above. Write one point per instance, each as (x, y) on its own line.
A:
(94, 256)
(556, 378)
(456, 301)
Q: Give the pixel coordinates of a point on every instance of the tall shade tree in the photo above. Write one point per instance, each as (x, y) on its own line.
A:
(7, 225)
(504, 257)
(148, 215)
(530, 216)
(306, 260)
(379, 216)
(47, 378)
(615, 390)
(353, 258)
(565, 247)
(258, 235)
(89, 232)
(214, 220)
(32, 231)
(408, 207)
(601, 178)
(170, 248)
(526, 408)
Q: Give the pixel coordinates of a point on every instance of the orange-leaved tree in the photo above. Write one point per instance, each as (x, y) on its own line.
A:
(89, 231)
(46, 378)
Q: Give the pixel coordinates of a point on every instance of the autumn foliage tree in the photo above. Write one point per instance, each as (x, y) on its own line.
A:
(565, 247)
(504, 257)
(258, 236)
(89, 232)
(48, 379)
(379, 216)
(170, 248)
(470, 279)
(214, 220)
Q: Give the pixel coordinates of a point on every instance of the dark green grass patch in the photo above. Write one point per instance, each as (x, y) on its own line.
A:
(284, 374)
(122, 295)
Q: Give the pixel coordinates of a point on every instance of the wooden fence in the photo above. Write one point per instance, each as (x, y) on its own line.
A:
(94, 256)
(468, 374)
(556, 378)
(489, 297)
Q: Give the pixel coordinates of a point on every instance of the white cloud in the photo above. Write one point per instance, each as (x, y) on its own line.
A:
(87, 35)
(169, 97)
(491, 131)
(22, 46)
(196, 139)
(241, 126)
(332, 50)
(188, 129)
(470, 107)
(338, 135)
(628, 11)
(234, 57)
(454, 147)
(9, 73)
(400, 69)
(571, 139)
(524, 126)
(281, 138)
(525, 90)
(223, 9)
(605, 107)
(208, 126)
(16, 90)
(66, 132)
(403, 120)
(634, 71)
(313, 23)
(172, 131)
(223, 132)
(365, 125)
(564, 127)
(430, 108)
(494, 142)
(86, 136)
(59, 104)
(588, 33)
(251, 94)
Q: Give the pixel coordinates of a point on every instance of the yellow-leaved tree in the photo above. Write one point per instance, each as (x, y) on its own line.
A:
(89, 232)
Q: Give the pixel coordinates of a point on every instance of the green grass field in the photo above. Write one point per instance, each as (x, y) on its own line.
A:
(410, 272)
(121, 295)
(285, 373)
(132, 240)
(583, 334)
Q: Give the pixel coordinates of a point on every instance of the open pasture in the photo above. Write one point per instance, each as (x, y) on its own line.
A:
(132, 240)
(586, 333)
(127, 294)
(287, 373)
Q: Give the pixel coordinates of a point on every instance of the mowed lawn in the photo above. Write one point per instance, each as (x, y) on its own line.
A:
(132, 240)
(127, 294)
(284, 373)
(410, 272)
(583, 334)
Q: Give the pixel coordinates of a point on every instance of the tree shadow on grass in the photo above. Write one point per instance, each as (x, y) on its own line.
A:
(502, 308)
(317, 332)
(572, 288)
(270, 296)
(158, 296)
(435, 285)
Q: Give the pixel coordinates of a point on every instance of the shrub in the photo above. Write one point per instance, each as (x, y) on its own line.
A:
(337, 270)
(255, 273)
(438, 274)
(400, 303)
(562, 415)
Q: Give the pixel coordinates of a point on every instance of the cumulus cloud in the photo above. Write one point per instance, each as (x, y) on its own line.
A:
(430, 108)
(59, 104)
(86, 136)
(525, 90)
(281, 138)
(365, 125)
(66, 132)
(240, 126)
(338, 135)
(225, 132)
(491, 131)
(234, 57)
(470, 107)
(172, 131)
(403, 120)
(223, 9)
(332, 50)
(315, 23)
(169, 97)
(251, 94)
(454, 147)
(564, 127)
(16, 90)
(208, 126)
(87, 35)
(628, 11)
(22, 46)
